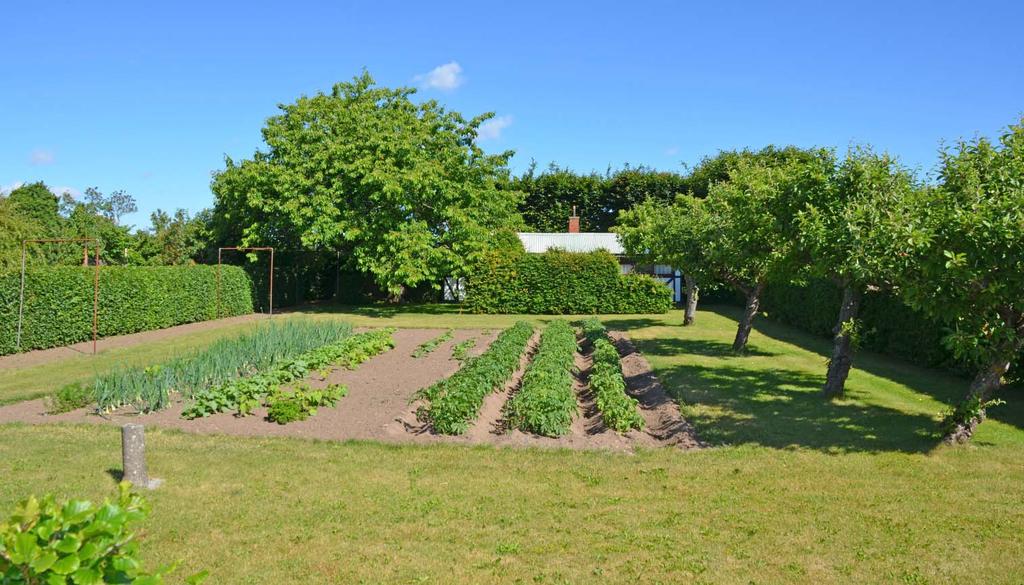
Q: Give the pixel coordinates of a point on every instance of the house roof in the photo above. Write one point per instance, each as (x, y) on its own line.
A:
(538, 242)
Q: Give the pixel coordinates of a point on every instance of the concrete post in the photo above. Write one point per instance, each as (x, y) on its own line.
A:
(133, 457)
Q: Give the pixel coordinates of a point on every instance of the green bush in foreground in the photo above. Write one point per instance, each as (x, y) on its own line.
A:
(561, 283)
(46, 542)
(546, 403)
(455, 401)
(59, 301)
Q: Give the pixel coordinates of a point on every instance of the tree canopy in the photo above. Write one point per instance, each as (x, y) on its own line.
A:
(970, 263)
(399, 186)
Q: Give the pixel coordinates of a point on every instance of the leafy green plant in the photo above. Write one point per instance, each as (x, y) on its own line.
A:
(971, 409)
(559, 282)
(593, 329)
(70, 397)
(243, 395)
(461, 350)
(546, 403)
(50, 542)
(301, 403)
(429, 346)
(226, 360)
(618, 409)
(455, 401)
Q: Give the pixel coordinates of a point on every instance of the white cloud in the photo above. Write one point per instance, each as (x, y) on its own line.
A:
(6, 189)
(491, 129)
(672, 151)
(41, 156)
(445, 77)
(58, 191)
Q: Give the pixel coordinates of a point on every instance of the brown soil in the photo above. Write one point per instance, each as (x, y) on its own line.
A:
(664, 423)
(379, 404)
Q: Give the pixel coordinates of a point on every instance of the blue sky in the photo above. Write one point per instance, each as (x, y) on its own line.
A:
(149, 98)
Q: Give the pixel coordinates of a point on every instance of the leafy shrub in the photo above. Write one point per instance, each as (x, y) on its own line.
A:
(546, 403)
(430, 345)
(50, 542)
(222, 362)
(456, 400)
(58, 301)
(558, 282)
(593, 329)
(70, 397)
(243, 395)
(301, 403)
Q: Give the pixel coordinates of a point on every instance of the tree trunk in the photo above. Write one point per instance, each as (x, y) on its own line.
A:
(747, 320)
(396, 298)
(982, 388)
(692, 293)
(842, 344)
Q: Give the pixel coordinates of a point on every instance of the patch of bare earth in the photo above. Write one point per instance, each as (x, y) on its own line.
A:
(380, 404)
(378, 391)
(664, 424)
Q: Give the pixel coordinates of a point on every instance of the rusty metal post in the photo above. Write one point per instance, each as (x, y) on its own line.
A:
(219, 252)
(95, 299)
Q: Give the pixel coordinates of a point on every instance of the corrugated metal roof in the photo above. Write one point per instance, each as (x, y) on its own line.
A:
(537, 242)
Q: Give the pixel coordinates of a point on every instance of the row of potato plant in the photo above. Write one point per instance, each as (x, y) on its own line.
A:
(618, 410)
(243, 395)
(460, 351)
(146, 388)
(430, 345)
(546, 402)
(453, 403)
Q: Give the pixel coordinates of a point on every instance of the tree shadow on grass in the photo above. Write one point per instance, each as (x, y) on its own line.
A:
(669, 346)
(631, 323)
(944, 386)
(783, 408)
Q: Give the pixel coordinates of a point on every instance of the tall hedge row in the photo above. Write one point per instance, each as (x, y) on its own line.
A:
(58, 301)
(887, 325)
(561, 283)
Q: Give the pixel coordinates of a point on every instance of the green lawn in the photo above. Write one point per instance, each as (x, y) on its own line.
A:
(806, 491)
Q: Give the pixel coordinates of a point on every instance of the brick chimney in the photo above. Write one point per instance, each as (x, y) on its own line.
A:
(574, 222)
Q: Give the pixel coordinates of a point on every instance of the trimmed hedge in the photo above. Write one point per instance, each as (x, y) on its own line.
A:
(561, 283)
(888, 325)
(58, 301)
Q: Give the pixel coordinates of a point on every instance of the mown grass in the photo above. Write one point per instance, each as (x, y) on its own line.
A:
(294, 511)
(806, 492)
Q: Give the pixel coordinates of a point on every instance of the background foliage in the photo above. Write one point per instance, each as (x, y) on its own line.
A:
(58, 301)
(558, 282)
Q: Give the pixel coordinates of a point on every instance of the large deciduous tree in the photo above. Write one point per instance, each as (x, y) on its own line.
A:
(750, 230)
(970, 270)
(673, 235)
(400, 186)
(854, 234)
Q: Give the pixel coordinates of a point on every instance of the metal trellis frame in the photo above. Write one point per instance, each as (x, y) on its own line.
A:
(220, 252)
(85, 262)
